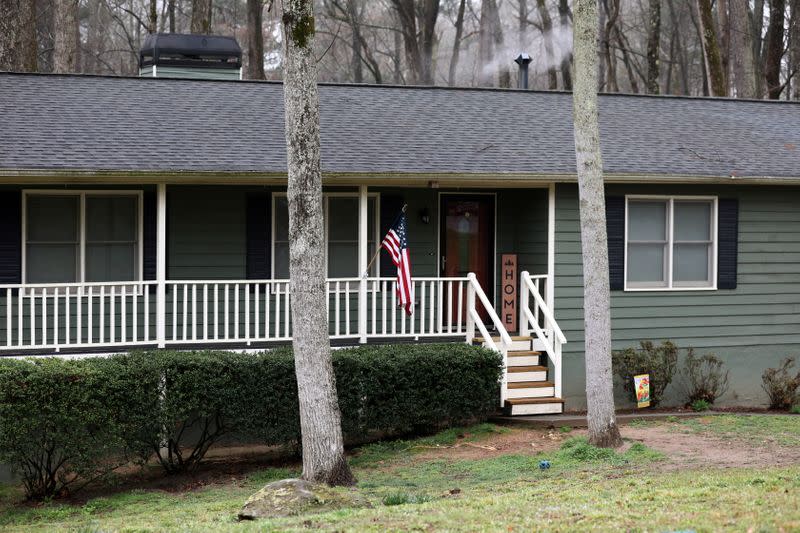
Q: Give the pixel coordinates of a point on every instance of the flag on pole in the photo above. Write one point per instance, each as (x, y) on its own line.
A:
(396, 243)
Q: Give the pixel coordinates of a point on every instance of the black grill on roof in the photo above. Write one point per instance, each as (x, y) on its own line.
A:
(188, 50)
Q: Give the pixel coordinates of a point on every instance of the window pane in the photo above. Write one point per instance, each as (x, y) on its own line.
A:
(282, 219)
(281, 260)
(52, 218)
(646, 263)
(343, 216)
(111, 262)
(692, 221)
(647, 221)
(51, 263)
(342, 260)
(691, 262)
(111, 218)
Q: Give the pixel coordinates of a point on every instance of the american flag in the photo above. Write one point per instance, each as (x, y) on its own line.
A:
(396, 243)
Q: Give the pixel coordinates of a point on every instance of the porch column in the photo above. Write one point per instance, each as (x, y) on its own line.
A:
(161, 263)
(363, 220)
(550, 299)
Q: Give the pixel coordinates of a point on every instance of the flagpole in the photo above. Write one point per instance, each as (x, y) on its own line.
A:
(378, 251)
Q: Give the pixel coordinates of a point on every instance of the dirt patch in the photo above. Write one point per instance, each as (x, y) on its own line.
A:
(512, 441)
(685, 448)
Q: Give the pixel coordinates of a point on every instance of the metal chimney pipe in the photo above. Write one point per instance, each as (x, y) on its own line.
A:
(523, 60)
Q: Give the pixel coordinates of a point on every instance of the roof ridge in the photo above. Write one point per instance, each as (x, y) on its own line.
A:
(411, 87)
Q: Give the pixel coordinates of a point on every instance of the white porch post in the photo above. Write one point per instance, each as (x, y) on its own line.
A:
(363, 220)
(161, 264)
(551, 248)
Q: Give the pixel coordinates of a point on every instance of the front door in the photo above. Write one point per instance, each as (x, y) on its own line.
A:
(467, 239)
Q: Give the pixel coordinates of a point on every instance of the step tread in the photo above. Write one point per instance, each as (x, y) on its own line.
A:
(534, 368)
(529, 401)
(523, 353)
(529, 384)
(479, 340)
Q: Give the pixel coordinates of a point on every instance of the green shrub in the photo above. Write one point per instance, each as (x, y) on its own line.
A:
(705, 377)
(700, 405)
(780, 385)
(64, 423)
(658, 361)
(795, 410)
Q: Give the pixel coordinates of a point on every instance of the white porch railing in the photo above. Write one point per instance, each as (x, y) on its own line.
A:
(234, 312)
(541, 321)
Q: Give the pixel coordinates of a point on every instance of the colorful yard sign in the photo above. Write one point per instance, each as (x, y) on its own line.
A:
(509, 288)
(642, 385)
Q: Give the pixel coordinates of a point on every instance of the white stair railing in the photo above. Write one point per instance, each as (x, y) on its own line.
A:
(474, 320)
(548, 332)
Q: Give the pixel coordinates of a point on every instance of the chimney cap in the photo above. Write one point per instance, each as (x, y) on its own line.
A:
(522, 59)
(215, 51)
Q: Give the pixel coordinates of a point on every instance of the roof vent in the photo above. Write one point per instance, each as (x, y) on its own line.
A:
(177, 55)
(523, 60)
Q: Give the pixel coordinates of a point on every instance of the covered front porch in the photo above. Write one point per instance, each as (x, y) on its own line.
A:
(191, 266)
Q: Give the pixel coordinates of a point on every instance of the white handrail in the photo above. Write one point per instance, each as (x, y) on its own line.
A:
(552, 343)
(498, 324)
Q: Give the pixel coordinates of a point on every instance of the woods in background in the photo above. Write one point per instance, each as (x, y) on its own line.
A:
(739, 48)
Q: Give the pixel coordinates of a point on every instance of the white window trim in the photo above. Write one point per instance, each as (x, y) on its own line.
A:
(325, 197)
(82, 193)
(670, 210)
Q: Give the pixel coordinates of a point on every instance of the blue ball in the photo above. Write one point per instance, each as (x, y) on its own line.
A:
(544, 465)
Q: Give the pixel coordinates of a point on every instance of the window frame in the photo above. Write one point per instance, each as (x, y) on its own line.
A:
(325, 198)
(81, 194)
(670, 210)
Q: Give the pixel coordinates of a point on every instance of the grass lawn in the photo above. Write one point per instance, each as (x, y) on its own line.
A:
(488, 478)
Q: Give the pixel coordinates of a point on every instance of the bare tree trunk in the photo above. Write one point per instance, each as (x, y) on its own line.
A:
(794, 49)
(680, 49)
(320, 418)
(774, 48)
(18, 44)
(758, 46)
(653, 42)
(428, 15)
(356, 65)
(65, 44)
(406, 13)
(711, 51)
(152, 17)
(600, 416)
(566, 62)
(397, 76)
(547, 35)
(255, 40)
(724, 41)
(611, 58)
(742, 61)
(451, 75)
(486, 44)
(171, 11)
(201, 16)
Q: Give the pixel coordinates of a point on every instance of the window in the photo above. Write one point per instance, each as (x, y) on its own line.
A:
(82, 237)
(340, 211)
(670, 243)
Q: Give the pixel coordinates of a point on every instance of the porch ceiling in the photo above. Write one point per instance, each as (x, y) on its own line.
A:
(124, 128)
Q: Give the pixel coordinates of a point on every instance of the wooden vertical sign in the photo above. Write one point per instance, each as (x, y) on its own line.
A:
(508, 288)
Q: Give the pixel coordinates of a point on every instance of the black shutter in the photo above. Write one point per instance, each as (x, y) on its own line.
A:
(391, 204)
(615, 225)
(10, 237)
(150, 231)
(728, 242)
(258, 238)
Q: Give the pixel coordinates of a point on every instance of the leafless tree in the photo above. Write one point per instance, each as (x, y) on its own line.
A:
(201, 16)
(18, 43)
(255, 40)
(603, 430)
(320, 419)
(65, 45)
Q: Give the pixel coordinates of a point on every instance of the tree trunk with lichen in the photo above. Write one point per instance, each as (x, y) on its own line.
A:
(18, 44)
(742, 62)
(653, 42)
(320, 418)
(603, 430)
(65, 40)
(255, 40)
(201, 16)
(711, 50)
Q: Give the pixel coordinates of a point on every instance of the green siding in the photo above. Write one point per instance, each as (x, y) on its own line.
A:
(752, 327)
(189, 72)
(206, 232)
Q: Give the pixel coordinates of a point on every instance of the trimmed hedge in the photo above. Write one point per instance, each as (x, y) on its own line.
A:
(66, 422)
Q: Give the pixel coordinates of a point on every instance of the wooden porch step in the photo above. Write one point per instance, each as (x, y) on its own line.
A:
(522, 353)
(533, 401)
(529, 384)
(532, 368)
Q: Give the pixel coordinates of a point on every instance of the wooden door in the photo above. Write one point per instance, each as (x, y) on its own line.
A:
(467, 239)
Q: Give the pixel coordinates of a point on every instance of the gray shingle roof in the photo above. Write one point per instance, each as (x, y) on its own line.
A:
(101, 123)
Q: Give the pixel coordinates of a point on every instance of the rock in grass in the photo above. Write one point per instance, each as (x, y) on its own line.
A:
(290, 497)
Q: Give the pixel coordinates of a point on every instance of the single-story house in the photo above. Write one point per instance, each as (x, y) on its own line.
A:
(152, 212)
